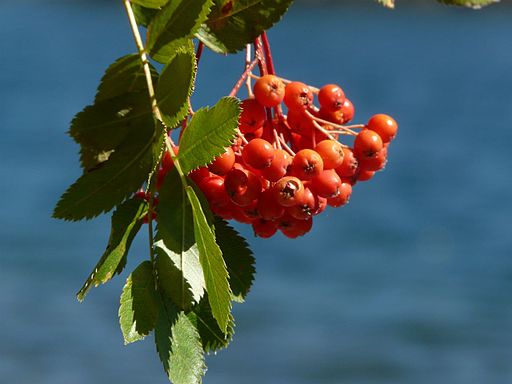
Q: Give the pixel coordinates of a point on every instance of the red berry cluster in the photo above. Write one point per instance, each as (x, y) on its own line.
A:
(284, 169)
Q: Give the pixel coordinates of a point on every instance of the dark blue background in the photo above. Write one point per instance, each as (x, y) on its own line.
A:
(410, 283)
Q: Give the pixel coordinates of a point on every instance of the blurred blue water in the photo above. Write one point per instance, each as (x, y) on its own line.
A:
(410, 283)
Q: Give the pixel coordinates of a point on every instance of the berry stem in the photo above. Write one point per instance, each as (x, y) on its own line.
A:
(268, 54)
(243, 77)
(277, 139)
(248, 81)
(259, 55)
(285, 145)
(286, 81)
(324, 131)
(199, 52)
(317, 120)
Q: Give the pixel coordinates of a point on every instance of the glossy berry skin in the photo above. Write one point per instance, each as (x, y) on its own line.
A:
(242, 186)
(223, 164)
(347, 111)
(199, 174)
(327, 184)
(264, 228)
(293, 228)
(348, 167)
(343, 196)
(331, 153)
(214, 191)
(167, 163)
(307, 164)
(279, 166)
(363, 175)
(268, 206)
(298, 96)
(375, 163)
(331, 97)
(258, 154)
(252, 117)
(306, 206)
(269, 90)
(367, 144)
(385, 126)
(288, 191)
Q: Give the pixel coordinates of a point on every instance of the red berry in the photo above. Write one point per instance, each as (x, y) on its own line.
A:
(278, 167)
(264, 228)
(367, 144)
(258, 153)
(327, 184)
(375, 163)
(306, 164)
(269, 90)
(288, 191)
(385, 126)
(252, 117)
(199, 174)
(365, 175)
(167, 163)
(293, 228)
(349, 165)
(298, 96)
(306, 206)
(214, 191)
(343, 197)
(242, 186)
(331, 152)
(331, 97)
(268, 206)
(299, 122)
(223, 164)
(347, 111)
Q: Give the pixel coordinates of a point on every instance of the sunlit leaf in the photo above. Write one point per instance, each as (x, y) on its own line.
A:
(138, 312)
(209, 132)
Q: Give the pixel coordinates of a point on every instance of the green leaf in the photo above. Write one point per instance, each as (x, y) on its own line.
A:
(387, 3)
(150, 3)
(176, 23)
(234, 23)
(469, 3)
(125, 75)
(238, 257)
(210, 256)
(126, 222)
(212, 337)
(122, 174)
(175, 87)
(179, 347)
(208, 134)
(138, 312)
(143, 15)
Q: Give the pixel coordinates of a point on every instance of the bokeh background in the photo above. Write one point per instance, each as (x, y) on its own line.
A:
(410, 283)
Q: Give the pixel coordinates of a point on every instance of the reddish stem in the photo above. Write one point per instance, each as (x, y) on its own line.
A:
(258, 52)
(268, 54)
(242, 79)
(199, 52)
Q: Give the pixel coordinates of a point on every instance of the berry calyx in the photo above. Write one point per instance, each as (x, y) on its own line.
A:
(307, 164)
(367, 144)
(298, 96)
(288, 191)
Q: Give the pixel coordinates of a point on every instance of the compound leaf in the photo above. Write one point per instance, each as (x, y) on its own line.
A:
(209, 132)
(175, 87)
(234, 23)
(179, 346)
(138, 312)
(238, 257)
(126, 222)
(176, 23)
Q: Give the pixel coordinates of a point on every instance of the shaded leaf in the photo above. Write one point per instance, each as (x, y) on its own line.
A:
(138, 312)
(234, 23)
(210, 256)
(175, 87)
(179, 347)
(143, 15)
(209, 132)
(122, 174)
(176, 23)
(126, 222)
(238, 257)
(212, 338)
